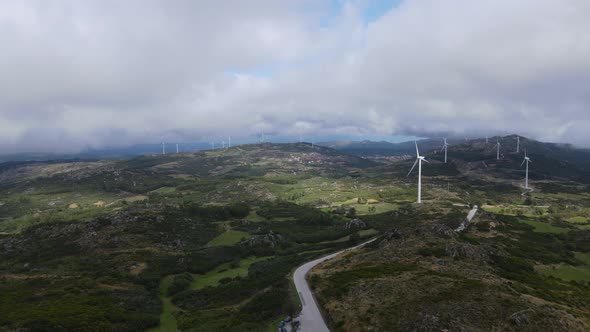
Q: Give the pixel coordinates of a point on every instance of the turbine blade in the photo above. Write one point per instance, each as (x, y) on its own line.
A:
(530, 161)
(523, 163)
(411, 169)
(442, 149)
(417, 152)
(426, 161)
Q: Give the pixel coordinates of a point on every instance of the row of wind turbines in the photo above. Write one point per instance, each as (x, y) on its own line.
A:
(223, 145)
(445, 147)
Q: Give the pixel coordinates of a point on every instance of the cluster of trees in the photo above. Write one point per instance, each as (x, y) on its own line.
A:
(218, 212)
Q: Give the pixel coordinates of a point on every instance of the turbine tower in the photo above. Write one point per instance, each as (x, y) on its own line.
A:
(526, 160)
(445, 147)
(498, 149)
(177, 148)
(229, 141)
(517, 144)
(418, 161)
(163, 148)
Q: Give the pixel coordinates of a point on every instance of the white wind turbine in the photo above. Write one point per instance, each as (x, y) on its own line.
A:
(498, 148)
(229, 141)
(418, 161)
(517, 144)
(445, 147)
(163, 148)
(526, 160)
(177, 148)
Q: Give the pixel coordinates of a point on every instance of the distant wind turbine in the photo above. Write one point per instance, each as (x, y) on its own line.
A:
(229, 142)
(526, 160)
(487, 140)
(445, 147)
(177, 148)
(163, 148)
(498, 149)
(418, 161)
(517, 144)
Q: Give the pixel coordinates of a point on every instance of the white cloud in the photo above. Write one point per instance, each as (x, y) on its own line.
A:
(99, 73)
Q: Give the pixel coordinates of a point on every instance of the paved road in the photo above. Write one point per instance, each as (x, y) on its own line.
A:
(310, 318)
(467, 220)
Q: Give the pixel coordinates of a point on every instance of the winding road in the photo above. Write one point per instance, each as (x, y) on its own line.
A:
(310, 318)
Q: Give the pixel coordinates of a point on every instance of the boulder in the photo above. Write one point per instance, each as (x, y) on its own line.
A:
(355, 224)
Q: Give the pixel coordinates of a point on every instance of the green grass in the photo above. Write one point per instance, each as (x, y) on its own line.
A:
(584, 257)
(164, 190)
(224, 271)
(229, 238)
(167, 319)
(363, 209)
(542, 227)
(514, 210)
(577, 220)
(368, 232)
(568, 272)
(254, 217)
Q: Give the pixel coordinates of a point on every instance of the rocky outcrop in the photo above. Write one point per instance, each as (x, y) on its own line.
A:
(266, 240)
(464, 250)
(393, 234)
(355, 224)
(438, 230)
(521, 318)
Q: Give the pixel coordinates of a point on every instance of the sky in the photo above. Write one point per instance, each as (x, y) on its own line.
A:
(101, 73)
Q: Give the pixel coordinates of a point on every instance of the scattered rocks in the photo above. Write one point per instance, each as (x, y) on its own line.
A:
(465, 250)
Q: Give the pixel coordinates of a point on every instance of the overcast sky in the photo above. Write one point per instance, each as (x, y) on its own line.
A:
(78, 74)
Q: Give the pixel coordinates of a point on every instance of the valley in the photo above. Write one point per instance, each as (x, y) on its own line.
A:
(208, 240)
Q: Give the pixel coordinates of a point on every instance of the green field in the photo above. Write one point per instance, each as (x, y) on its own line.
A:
(229, 238)
(363, 209)
(577, 220)
(568, 272)
(225, 271)
(583, 257)
(542, 227)
(514, 210)
(167, 320)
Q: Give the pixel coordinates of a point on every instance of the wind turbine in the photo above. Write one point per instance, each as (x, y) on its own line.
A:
(223, 144)
(526, 160)
(445, 147)
(498, 148)
(163, 148)
(418, 161)
(229, 141)
(177, 148)
(517, 144)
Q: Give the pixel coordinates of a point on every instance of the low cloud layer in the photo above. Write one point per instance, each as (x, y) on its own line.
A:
(78, 74)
